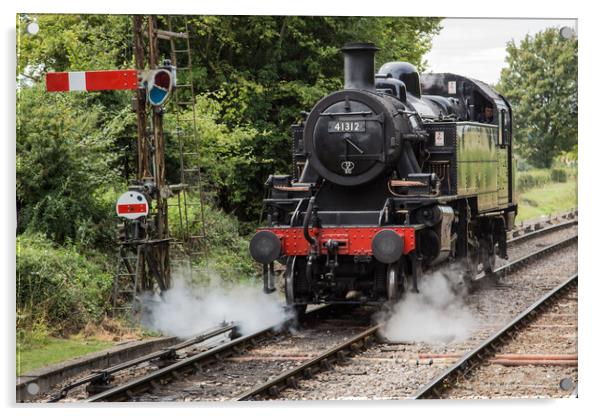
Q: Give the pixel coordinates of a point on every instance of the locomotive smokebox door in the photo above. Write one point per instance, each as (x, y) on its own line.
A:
(351, 137)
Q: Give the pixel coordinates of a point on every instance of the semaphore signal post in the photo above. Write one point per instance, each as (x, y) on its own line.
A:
(144, 238)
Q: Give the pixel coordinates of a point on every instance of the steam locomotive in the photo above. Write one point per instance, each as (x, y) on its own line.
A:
(392, 176)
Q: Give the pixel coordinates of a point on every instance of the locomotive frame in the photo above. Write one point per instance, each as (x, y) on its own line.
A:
(391, 176)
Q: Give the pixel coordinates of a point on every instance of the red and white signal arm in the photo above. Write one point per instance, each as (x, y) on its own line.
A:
(125, 79)
(132, 205)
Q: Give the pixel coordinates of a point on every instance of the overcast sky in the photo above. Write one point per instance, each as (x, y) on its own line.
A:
(477, 47)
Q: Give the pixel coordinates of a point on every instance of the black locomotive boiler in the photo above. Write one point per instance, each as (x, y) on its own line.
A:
(391, 176)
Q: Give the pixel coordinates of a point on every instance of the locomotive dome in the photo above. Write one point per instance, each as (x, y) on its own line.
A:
(406, 73)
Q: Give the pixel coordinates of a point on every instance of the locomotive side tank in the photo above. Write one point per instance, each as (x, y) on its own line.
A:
(391, 176)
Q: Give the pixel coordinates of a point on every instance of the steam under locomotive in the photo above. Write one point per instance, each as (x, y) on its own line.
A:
(391, 176)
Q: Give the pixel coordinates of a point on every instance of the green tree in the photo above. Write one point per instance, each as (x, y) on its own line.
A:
(80, 42)
(262, 70)
(268, 68)
(64, 167)
(73, 42)
(541, 84)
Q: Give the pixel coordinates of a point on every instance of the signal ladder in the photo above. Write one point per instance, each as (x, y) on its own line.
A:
(189, 192)
(131, 277)
(125, 284)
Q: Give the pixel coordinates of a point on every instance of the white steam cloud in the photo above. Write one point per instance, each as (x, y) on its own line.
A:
(436, 315)
(187, 308)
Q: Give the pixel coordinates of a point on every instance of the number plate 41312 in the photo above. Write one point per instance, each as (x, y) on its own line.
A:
(344, 126)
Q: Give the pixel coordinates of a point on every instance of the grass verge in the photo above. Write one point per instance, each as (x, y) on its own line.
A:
(38, 347)
(53, 350)
(547, 200)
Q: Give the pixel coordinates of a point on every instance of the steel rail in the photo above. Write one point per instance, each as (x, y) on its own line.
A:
(568, 216)
(103, 376)
(487, 278)
(175, 371)
(312, 366)
(475, 357)
(523, 261)
(542, 231)
(192, 364)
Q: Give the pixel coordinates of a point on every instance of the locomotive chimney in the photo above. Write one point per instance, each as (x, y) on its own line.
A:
(359, 65)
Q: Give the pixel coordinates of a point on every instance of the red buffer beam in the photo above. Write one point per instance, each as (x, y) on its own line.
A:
(126, 79)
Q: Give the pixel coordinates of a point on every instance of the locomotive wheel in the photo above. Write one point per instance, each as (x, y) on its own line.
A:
(291, 273)
(393, 282)
(471, 266)
(487, 256)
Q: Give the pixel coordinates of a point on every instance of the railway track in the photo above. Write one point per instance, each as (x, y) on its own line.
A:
(486, 352)
(289, 373)
(324, 361)
(99, 380)
(520, 262)
(534, 232)
(221, 372)
(553, 223)
(175, 357)
(341, 353)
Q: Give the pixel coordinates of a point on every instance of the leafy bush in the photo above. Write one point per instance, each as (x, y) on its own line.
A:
(558, 175)
(235, 161)
(532, 179)
(536, 178)
(59, 286)
(228, 252)
(64, 165)
(522, 165)
(31, 333)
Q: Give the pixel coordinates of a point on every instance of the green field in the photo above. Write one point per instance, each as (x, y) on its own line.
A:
(54, 350)
(549, 199)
